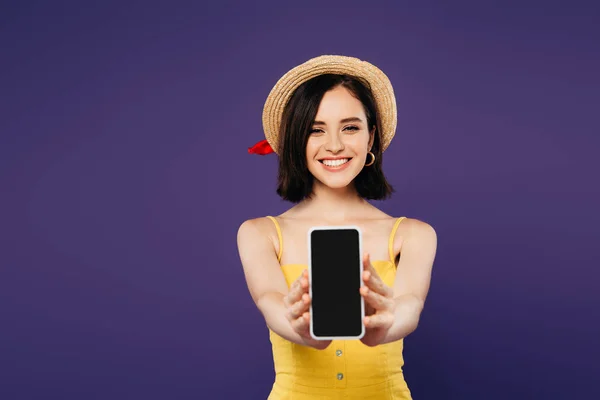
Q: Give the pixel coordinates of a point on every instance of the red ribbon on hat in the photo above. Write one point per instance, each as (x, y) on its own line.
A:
(262, 148)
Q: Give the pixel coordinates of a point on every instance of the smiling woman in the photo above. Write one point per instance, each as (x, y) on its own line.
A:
(331, 117)
(330, 120)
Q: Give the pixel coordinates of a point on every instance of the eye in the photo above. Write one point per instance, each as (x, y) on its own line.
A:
(352, 128)
(315, 130)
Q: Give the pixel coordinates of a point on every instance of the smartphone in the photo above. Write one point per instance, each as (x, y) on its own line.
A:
(335, 269)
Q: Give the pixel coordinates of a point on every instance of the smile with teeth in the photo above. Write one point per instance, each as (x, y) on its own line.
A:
(335, 163)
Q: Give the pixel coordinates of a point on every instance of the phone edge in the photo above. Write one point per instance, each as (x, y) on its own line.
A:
(360, 268)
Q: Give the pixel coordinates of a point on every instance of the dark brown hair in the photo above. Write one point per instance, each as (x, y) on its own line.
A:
(295, 181)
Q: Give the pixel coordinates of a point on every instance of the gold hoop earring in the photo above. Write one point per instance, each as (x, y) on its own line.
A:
(372, 159)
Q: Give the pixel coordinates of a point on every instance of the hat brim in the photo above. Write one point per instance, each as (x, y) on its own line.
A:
(378, 82)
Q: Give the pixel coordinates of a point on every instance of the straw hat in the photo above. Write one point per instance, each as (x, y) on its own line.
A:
(327, 64)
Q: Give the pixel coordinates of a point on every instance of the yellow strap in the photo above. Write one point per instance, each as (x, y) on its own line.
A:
(392, 236)
(278, 235)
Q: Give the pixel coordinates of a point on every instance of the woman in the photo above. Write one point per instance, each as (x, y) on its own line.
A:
(330, 120)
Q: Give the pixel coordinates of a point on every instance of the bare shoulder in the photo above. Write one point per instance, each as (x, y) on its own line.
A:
(420, 234)
(417, 226)
(255, 225)
(256, 230)
(414, 231)
(258, 256)
(413, 272)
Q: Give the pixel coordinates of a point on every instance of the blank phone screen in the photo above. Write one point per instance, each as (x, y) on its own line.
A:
(335, 283)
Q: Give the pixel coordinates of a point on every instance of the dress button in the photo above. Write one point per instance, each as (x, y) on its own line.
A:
(338, 353)
(340, 376)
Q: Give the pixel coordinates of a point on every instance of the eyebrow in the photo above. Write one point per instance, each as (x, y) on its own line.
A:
(343, 121)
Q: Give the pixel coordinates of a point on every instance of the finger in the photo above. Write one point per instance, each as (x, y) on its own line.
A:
(373, 281)
(298, 288)
(304, 281)
(375, 284)
(368, 269)
(301, 289)
(367, 266)
(299, 308)
(376, 300)
(381, 320)
(300, 324)
(289, 298)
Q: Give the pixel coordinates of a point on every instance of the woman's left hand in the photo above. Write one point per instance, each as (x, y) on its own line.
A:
(379, 305)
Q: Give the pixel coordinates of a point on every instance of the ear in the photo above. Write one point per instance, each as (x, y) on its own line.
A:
(371, 138)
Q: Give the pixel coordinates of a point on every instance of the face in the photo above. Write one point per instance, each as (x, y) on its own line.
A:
(339, 141)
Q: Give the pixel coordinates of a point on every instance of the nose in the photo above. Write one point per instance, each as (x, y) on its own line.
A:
(334, 144)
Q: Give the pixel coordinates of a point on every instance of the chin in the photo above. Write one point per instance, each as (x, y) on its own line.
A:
(335, 184)
(333, 180)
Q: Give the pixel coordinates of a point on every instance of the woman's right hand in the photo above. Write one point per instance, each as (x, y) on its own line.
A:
(297, 303)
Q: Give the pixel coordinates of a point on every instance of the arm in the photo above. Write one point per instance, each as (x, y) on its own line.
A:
(267, 284)
(413, 278)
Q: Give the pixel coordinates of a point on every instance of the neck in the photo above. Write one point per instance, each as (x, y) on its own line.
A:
(336, 204)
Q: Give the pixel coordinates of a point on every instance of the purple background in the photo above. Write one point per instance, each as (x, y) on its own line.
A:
(124, 177)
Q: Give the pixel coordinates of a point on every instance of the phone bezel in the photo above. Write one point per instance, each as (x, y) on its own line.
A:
(360, 269)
